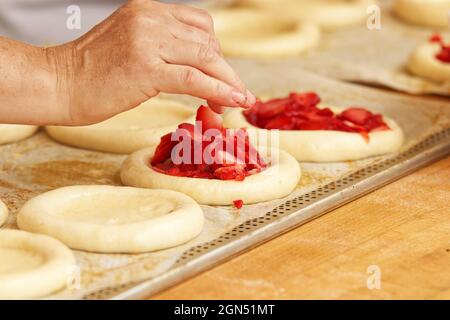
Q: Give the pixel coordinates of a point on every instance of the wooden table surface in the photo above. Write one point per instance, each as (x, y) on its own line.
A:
(402, 230)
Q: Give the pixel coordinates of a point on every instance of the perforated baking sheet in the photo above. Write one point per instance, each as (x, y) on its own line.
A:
(38, 164)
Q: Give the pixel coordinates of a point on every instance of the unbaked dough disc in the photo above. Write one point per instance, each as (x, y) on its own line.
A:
(277, 181)
(327, 14)
(32, 265)
(128, 131)
(423, 62)
(325, 145)
(431, 13)
(112, 219)
(252, 33)
(3, 213)
(15, 132)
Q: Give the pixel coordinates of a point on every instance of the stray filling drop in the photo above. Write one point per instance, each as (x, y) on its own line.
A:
(299, 111)
(238, 204)
(444, 54)
(207, 150)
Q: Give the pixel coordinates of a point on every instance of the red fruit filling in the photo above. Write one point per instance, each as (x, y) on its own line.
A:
(207, 150)
(238, 204)
(444, 54)
(299, 111)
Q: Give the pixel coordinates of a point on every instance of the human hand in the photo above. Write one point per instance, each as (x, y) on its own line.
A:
(144, 48)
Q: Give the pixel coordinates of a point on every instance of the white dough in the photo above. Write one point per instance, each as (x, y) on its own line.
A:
(423, 62)
(129, 131)
(275, 182)
(325, 145)
(327, 14)
(32, 265)
(3, 213)
(431, 13)
(15, 132)
(113, 219)
(252, 33)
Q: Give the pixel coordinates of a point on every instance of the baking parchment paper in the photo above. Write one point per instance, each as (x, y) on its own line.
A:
(373, 56)
(39, 164)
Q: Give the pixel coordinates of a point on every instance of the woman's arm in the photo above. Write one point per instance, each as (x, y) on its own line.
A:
(144, 48)
(27, 85)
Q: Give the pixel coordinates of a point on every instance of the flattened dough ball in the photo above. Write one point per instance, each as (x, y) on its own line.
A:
(252, 33)
(327, 14)
(112, 219)
(3, 213)
(325, 145)
(431, 13)
(277, 181)
(423, 62)
(32, 265)
(15, 132)
(129, 131)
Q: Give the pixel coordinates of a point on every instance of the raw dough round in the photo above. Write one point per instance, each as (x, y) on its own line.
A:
(15, 132)
(327, 14)
(3, 213)
(32, 265)
(423, 62)
(252, 33)
(432, 13)
(128, 131)
(113, 219)
(326, 145)
(277, 181)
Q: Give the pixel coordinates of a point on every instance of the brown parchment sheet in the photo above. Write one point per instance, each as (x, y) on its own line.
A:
(375, 56)
(38, 164)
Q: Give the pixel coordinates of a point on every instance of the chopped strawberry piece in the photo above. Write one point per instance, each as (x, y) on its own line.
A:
(164, 149)
(236, 172)
(356, 115)
(435, 38)
(209, 119)
(444, 54)
(299, 111)
(271, 108)
(238, 204)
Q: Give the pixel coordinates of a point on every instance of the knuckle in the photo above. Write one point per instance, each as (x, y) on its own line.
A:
(207, 54)
(189, 77)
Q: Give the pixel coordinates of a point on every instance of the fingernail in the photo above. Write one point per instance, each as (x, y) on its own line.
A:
(251, 99)
(238, 97)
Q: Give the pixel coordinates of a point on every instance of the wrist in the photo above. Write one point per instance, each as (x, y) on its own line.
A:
(61, 62)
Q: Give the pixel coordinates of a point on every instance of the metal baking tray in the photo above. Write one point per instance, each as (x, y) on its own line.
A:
(287, 216)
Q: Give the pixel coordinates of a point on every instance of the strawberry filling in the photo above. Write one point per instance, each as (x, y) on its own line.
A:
(207, 150)
(299, 111)
(444, 54)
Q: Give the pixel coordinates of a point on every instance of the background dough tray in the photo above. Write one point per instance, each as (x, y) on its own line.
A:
(38, 164)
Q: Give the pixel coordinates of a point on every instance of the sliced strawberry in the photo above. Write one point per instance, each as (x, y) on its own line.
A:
(356, 115)
(271, 108)
(164, 149)
(436, 38)
(306, 99)
(209, 119)
(281, 122)
(236, 172)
